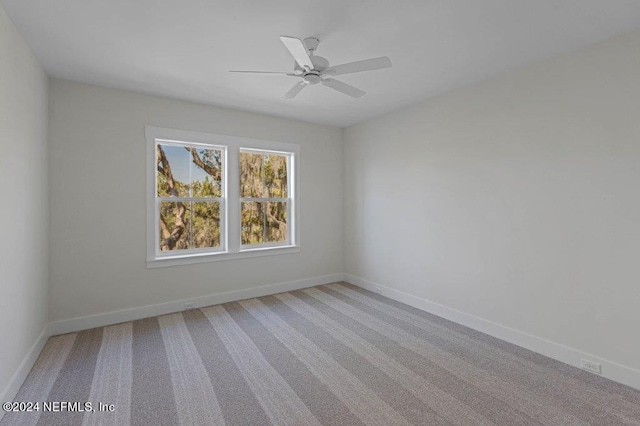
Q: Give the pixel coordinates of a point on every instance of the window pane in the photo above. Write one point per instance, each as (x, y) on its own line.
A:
(206, 224)
(275, 176)
(174, 226)
(206, 172)
(251, 175)
(253, 223)
(276, 222)
(172, 171)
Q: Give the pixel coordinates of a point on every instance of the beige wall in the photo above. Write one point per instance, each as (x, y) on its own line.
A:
(98, 202)
(24, 205)
(516, 200)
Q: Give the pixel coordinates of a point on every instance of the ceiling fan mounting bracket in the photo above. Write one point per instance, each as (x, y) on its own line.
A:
(311, 44)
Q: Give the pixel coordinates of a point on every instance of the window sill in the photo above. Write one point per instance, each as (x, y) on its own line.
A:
(191, 259)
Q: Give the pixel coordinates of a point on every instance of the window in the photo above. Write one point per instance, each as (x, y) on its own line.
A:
(264, 192)
(213, 197)
(190, 185)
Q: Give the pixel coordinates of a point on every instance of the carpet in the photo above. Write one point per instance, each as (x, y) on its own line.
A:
(331, 355)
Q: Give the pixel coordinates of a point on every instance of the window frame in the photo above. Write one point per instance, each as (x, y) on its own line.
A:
(230, 204)
(290, 200)
(222, 200)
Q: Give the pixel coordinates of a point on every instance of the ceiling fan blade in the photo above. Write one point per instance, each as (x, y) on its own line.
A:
(293, 92)
(298, 51)
(345, 88)
(359, 66)
(265, 72)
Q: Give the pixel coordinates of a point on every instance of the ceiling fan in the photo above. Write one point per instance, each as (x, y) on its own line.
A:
(315, 69)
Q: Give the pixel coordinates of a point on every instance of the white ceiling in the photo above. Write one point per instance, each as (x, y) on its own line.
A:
(183, 48)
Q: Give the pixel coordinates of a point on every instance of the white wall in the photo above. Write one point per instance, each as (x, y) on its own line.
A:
(98, 204)
(24, 205)
(516, 200)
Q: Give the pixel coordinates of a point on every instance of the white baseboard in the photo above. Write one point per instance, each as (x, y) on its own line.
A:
(12, 388)
(611, 370)
(115, 317)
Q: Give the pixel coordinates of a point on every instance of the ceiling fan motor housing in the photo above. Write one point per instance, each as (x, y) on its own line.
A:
(319, 64)
(311, 78)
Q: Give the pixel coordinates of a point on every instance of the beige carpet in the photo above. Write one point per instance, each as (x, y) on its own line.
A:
(332, 354)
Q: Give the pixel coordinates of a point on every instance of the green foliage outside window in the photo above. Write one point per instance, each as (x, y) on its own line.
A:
(263, 175)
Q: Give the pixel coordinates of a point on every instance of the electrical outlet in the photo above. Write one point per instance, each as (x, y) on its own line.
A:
(591, 366)
(189, 305)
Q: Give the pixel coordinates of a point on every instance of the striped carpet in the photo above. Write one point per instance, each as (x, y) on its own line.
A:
(333, 354)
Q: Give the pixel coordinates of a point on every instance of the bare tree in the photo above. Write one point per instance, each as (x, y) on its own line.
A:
(171, 235)
(210, 169)
(170, 239)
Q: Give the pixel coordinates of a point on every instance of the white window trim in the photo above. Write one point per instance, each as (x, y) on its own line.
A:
(222, 200)
(230, 206)
(290, 200)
